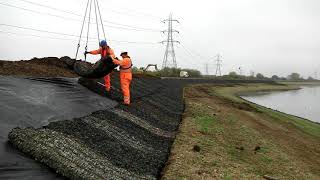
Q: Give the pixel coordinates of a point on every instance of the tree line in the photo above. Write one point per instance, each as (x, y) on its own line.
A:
(291, 77)
(175, 72)
(168, 72)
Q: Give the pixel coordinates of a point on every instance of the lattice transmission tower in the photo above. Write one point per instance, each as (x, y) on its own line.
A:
(218, 65)
(207, 68)
(167, 62)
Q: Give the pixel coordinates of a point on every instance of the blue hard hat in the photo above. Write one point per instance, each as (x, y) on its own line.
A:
(103, 43)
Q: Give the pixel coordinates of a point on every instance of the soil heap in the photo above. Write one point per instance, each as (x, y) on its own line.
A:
(39, 67)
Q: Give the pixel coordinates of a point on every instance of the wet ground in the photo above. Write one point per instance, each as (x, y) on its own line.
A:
(34, 102)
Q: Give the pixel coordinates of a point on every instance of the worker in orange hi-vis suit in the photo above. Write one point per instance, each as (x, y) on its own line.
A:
(125, 76)
(104, 50)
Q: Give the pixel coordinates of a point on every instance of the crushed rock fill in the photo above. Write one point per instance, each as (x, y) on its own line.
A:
(120, 143)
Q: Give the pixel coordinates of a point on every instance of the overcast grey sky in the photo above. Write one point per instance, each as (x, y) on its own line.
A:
(266, 36)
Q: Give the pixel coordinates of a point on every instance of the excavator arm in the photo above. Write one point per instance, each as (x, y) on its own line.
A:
(150, 65)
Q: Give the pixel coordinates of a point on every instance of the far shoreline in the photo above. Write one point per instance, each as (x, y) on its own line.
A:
(264, 92)
(302, 118)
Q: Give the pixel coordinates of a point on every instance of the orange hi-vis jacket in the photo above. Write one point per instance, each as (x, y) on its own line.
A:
(125, 65)
(104, 52)
(125, 77)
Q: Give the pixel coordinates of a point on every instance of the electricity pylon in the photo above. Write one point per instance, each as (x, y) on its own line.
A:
(169, 47)
(218, 65)
(207, 68)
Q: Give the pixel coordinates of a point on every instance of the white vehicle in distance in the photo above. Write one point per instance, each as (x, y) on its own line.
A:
(184, 74)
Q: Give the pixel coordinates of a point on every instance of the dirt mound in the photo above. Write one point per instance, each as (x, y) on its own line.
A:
(45, 67)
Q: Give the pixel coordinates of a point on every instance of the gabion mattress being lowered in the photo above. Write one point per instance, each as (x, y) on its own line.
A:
(120, 143)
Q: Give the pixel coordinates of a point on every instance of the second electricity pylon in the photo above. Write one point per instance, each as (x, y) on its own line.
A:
(219, 64)
(207, 68)
(169, 48)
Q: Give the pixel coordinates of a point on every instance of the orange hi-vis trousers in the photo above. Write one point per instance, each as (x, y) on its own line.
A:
(125, 80)
(107, 82)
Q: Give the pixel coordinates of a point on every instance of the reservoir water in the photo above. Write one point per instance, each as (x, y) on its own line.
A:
(304, 102)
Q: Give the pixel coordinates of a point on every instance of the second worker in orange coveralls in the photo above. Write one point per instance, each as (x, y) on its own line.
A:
(125, 75)
(104, 50)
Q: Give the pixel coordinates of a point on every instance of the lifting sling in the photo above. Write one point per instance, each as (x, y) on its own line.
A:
(105, 65)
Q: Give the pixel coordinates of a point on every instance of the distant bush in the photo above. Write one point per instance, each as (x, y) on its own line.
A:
(233, 75)
(192, 72)
(295, 76)
(275, 77)
(175, 72)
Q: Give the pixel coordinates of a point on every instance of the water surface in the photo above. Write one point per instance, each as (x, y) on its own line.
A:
(304, 102)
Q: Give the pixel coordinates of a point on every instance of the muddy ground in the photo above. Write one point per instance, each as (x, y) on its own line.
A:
(121, 143)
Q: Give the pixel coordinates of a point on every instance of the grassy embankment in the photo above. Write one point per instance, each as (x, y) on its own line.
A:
(225, 137)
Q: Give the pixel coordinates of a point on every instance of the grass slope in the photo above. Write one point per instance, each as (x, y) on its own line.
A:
(224, 137)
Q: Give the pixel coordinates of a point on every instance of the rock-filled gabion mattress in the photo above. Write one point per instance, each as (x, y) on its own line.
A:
(120, 143)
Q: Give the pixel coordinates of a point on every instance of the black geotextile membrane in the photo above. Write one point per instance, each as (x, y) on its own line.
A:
(125, 142)
(138, 146)
(35, 102)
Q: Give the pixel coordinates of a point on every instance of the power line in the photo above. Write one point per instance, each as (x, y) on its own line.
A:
(32, 35)
(72, 35)
(45, 31)
(49, 7)
(186, 59)
(190, 53)
(136, 14)
(194, 53)
(38, 12)
(126, 27)
(72, 13)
